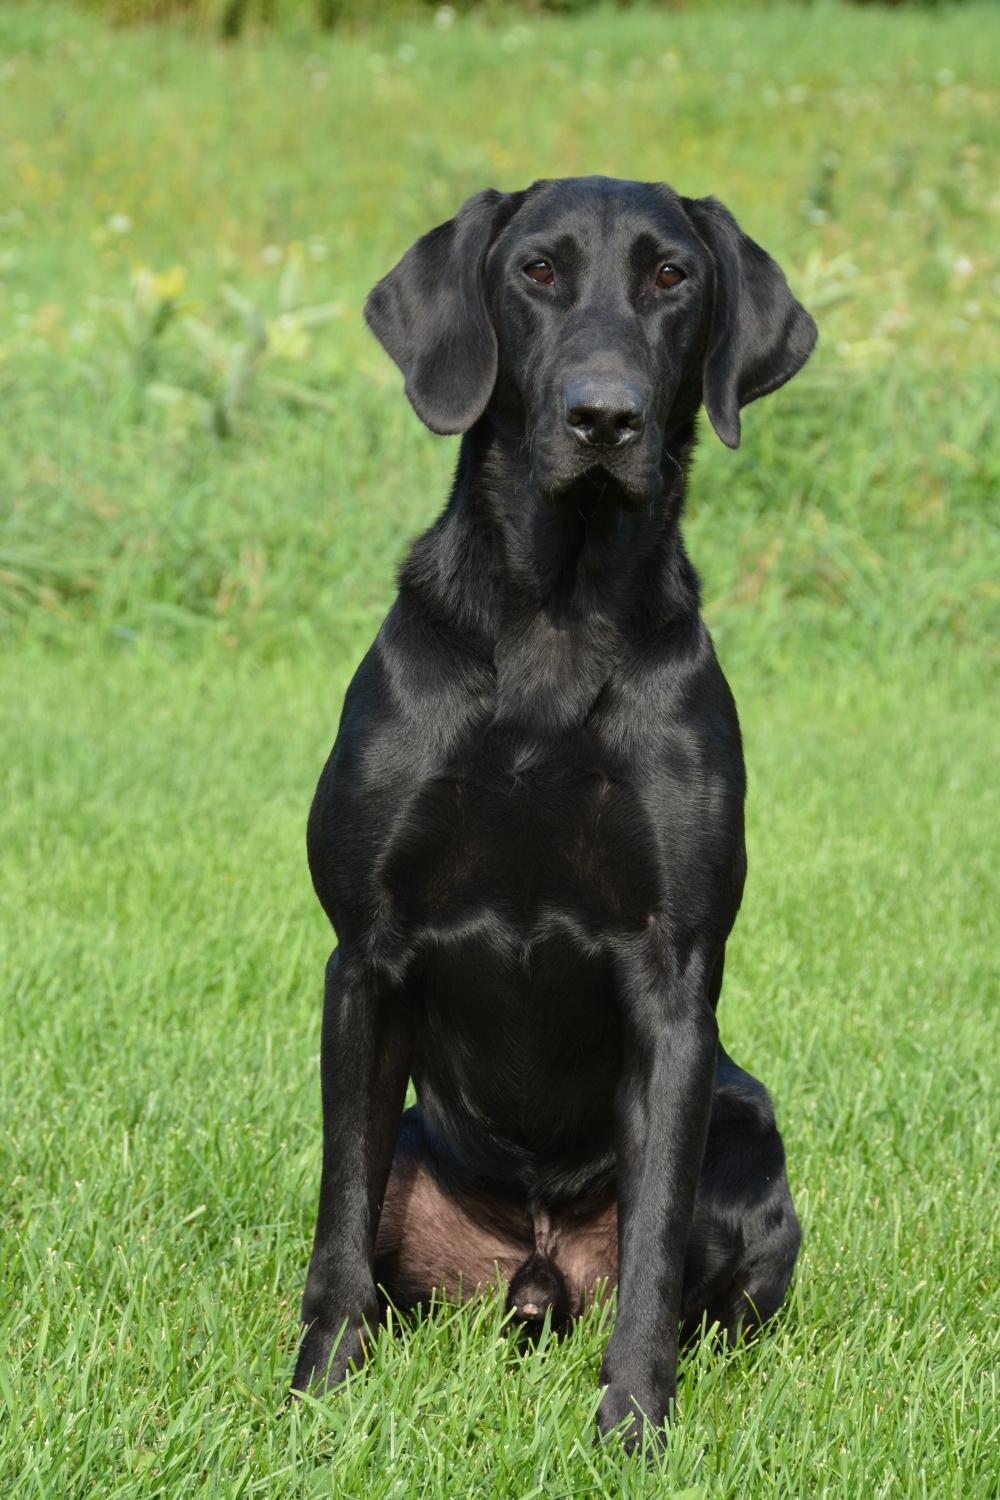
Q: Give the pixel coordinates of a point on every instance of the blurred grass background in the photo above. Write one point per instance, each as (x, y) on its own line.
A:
(149, 175)
(229, 18)
(208, 474)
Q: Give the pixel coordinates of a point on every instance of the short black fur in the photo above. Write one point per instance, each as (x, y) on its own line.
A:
(529, 834)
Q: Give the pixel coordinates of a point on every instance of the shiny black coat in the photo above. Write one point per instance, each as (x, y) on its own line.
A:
(529, 835)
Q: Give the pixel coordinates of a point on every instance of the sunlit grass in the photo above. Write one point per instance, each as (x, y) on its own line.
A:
(164, 959)
(180, 614)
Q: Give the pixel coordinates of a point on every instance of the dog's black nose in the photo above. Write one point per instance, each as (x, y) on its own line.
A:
(603, 413)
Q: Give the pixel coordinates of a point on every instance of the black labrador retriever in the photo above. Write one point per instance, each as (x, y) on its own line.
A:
(529, 835)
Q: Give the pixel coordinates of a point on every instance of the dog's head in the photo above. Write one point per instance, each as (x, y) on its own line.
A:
(589, 317)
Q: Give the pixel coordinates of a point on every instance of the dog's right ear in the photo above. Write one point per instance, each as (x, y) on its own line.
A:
(430, 314)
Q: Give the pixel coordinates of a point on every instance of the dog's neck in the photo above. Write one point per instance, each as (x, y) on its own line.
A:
(552, 594)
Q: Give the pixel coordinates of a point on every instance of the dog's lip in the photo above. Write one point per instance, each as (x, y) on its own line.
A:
(596, 484)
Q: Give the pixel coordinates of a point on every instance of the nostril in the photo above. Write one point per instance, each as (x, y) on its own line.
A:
(606, 417)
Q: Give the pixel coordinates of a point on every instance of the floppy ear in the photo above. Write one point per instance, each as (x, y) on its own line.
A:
(759, 335)
(430, 315)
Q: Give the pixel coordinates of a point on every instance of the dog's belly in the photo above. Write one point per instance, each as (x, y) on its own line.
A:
(516, 1069)
(511, 887)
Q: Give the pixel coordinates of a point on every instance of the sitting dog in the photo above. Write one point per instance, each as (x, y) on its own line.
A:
(529, 834)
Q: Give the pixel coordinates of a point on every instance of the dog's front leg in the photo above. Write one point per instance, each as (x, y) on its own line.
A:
(663, 1107)
(364, 1065)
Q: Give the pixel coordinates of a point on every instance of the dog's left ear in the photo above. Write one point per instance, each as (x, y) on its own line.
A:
(759, 335)
(430, 314)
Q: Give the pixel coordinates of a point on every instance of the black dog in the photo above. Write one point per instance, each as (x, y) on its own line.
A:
(529, 835)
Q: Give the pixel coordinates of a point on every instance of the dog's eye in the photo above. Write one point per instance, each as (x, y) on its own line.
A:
(540, 271)
(669, 275)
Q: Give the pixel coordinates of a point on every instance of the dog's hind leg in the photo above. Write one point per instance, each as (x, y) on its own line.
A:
(745, 1236)
(434, 1239)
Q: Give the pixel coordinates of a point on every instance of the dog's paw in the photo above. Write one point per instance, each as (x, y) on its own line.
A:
(633, 1418)
(326, 1355)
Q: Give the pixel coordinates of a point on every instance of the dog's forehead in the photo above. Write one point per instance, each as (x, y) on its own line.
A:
(600, 209)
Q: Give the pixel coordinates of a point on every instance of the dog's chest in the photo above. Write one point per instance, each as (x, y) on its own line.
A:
(521, 832)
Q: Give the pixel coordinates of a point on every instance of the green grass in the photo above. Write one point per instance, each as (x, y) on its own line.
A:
(180, 614)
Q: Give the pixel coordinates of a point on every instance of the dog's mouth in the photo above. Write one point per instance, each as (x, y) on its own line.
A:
(598, 488)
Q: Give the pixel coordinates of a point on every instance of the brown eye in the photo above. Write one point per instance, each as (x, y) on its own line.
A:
(669, 275)
(540, 271)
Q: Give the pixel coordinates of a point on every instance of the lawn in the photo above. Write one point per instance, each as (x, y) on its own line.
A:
(180, 612)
